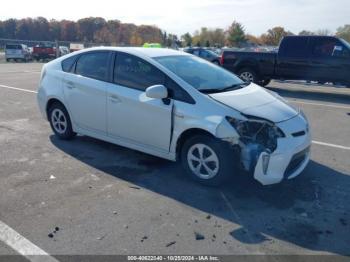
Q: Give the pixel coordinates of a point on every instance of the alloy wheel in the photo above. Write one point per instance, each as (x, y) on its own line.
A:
(59, 121)
(203, 161)
(247, 76)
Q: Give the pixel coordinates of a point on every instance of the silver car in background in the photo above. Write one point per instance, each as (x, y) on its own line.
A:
(17, 52)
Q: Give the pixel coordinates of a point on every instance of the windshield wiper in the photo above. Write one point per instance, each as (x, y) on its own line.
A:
(234, 86)
(219, 90)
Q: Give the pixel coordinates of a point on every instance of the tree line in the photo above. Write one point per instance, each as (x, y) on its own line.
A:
(235, 35)
(114, 32)
(90, 29)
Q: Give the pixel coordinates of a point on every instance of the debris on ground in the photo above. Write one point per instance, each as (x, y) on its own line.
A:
(144, 238)
(208, 217)
(199, 236)
(101, 237)
(52, 177)
(135, 187)
(52, 234)
(115, 212)
(170, 243)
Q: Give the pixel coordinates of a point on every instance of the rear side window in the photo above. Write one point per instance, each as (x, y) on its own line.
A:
(294, 47)
(93, 65)
(134, 72)
(67, 64)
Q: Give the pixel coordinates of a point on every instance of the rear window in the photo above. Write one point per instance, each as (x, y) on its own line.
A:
(294, 47)
(13, 46)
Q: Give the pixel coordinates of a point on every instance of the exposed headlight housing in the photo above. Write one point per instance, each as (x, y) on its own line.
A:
(257, 130)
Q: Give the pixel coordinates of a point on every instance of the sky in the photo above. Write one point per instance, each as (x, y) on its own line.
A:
(181, 16)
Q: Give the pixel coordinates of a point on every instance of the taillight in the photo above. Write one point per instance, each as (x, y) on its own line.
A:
(222, 59)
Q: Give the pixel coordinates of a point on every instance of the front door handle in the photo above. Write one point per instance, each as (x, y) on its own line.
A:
(114, 98)
(70, 85)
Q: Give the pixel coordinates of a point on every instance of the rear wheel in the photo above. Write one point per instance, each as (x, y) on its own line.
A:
(207, 160)
(60, 121)
(216, 62)
(7, 60)
(248, 75)
(265, 82)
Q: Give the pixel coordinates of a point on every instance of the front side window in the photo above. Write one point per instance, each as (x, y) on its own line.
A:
(93, 65)
(201, 74)
(324, 47)
(134, 72)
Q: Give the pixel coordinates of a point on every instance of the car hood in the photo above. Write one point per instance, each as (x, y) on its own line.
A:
(255, 101)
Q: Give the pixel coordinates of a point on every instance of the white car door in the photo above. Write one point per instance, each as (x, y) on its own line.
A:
(131, 115)
(86, 91)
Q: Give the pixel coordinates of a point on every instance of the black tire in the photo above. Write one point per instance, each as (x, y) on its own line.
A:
(62, 133)
(226, 161)
(216, 62)
(7, 60)
(250, 73)
(265, 82)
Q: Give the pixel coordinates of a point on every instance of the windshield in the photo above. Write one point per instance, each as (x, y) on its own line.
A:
(345, 43)
(202, 75)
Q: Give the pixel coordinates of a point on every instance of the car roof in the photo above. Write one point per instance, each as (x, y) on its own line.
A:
(149, 52)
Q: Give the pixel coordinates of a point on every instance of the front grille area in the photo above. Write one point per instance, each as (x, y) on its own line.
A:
(296, 162)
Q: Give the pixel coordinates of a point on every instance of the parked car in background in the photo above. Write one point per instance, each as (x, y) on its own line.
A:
(64, 50)
(44, 51)
(204, 53)
(17, 52)
(312, 58)
(176, 106)
(75, 47)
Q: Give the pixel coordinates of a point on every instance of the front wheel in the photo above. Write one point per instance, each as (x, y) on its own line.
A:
(208, 160)
(60, 122)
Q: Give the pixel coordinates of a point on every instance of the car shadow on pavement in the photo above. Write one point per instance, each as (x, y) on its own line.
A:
(311, 211)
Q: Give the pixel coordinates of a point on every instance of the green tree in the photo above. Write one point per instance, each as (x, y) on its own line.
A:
(344, 32)
(236, 34)
(10, 28)
(274, 36)
(187, 39)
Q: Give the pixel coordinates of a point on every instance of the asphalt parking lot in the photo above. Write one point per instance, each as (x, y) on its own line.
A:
(85, 196)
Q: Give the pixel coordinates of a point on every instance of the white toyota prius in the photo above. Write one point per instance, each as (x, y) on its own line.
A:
(176, 106)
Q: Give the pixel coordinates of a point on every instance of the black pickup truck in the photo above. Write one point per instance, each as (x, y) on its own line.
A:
(313, 58)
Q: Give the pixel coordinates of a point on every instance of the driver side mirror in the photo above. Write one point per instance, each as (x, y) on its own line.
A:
(157, 92)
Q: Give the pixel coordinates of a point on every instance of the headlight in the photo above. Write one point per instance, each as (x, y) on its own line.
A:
(251, 128)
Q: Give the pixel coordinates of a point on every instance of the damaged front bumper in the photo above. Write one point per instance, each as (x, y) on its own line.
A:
(282, 164)
(288, 160)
